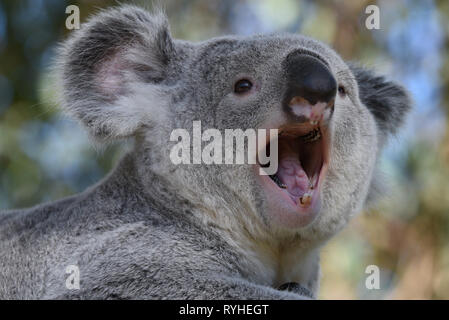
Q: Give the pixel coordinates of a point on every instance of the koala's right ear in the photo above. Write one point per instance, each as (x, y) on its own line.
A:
(101, 66)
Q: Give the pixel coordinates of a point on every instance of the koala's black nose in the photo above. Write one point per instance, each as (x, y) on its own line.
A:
(309, 78)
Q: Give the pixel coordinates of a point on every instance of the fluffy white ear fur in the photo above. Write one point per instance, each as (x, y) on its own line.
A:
(109, 72)
(142, 104)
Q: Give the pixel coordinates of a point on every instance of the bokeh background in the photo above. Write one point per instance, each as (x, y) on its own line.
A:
(46, 156)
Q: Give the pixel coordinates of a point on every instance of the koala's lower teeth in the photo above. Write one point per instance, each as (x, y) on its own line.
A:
(312, 136)
(305, 200)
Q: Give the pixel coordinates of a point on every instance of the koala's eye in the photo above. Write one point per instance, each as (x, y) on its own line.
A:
(242, 86)
(341, 91)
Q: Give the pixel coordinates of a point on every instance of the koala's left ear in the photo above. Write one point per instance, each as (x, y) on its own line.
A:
(387, 101)
(102, 65)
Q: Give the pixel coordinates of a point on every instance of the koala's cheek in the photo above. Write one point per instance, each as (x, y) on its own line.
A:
(353, 156)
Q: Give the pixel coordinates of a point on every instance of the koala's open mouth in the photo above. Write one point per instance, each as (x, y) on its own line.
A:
(302, 158)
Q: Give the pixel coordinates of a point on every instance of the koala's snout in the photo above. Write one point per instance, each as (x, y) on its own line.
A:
(309, 78)
(310, 85)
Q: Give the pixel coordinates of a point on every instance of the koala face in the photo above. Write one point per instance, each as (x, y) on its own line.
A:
(123, 75)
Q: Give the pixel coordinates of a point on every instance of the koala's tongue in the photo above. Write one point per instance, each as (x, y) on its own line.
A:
(290, 171)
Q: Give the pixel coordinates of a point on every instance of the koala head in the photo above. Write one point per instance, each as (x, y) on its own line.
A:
(123, 75)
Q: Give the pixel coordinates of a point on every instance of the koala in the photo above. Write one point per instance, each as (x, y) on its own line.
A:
(152, 229)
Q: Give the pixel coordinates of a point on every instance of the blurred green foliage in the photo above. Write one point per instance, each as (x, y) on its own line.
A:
(44, 156)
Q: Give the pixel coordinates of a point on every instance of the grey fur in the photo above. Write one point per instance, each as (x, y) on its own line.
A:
(387, 101)
(154, 230)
